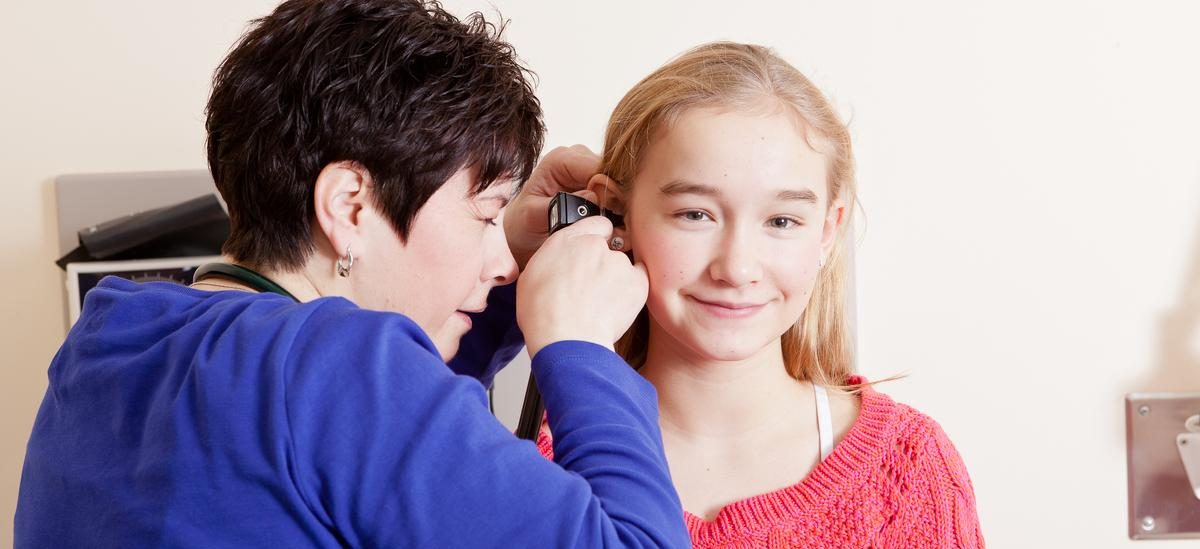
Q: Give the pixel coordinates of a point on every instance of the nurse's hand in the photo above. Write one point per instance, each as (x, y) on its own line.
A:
(526, 223)
(576, 288)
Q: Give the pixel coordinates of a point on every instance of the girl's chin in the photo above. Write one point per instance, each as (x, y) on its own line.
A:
(724, 350)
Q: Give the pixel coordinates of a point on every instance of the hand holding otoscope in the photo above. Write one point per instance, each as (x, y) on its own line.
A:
(586, 290)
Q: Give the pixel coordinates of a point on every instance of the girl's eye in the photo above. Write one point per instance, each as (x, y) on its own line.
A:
(783, 223)
(693, 215)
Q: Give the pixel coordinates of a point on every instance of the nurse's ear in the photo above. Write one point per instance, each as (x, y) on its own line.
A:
(607, 193)
(341, 198)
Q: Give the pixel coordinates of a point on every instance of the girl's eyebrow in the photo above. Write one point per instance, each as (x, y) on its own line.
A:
(682, 186)
(803, 195)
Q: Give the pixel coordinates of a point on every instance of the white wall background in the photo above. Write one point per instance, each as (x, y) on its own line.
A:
(1030, 173)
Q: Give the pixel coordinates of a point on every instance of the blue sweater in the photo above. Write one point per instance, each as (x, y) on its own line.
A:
(182, 418)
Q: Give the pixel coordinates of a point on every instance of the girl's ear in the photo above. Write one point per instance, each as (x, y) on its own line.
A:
(606, 193)
(835, 217)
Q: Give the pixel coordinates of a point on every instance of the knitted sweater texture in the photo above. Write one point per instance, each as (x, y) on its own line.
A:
(894, 481)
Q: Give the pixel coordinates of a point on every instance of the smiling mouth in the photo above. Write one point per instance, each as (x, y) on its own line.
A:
(724, 309)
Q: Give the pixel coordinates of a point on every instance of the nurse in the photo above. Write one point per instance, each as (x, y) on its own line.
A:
(322, 388)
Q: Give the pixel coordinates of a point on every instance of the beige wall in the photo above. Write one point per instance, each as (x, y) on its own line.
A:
(1030, 172)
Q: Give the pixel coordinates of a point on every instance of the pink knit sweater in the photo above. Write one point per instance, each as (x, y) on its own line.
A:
(894, 481)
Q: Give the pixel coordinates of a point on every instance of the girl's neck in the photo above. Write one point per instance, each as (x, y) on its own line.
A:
(702, 398)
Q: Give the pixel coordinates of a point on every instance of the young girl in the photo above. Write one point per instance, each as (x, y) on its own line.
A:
(736, 180)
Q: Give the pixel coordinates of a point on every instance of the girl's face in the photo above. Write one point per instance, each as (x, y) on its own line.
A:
(730, 213)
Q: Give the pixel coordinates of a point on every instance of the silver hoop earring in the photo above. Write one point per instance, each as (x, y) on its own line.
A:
(343, 269)
(617, 243)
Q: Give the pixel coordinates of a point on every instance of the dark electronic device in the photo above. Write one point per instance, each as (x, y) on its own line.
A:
(566, 209)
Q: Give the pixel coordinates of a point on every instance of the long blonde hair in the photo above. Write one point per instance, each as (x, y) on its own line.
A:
(818, 348)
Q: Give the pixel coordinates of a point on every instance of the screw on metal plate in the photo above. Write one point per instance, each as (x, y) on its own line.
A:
(1148, 523)
(1143, 410)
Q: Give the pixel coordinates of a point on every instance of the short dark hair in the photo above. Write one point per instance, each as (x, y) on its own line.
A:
(400, 87)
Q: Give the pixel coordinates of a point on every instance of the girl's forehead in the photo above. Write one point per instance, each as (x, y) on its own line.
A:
(711, 152)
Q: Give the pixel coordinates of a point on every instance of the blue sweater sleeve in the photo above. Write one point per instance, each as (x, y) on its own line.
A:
(391, 449)
(494, 338)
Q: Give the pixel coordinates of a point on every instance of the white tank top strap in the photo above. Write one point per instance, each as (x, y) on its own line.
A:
(824, 420)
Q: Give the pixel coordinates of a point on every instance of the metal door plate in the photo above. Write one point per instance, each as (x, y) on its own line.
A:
(1162, 503)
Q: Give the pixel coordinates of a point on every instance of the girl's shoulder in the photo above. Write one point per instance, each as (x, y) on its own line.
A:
(889, 419)
(907, 438)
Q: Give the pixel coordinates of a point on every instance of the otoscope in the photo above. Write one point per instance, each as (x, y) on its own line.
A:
(565, 210)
